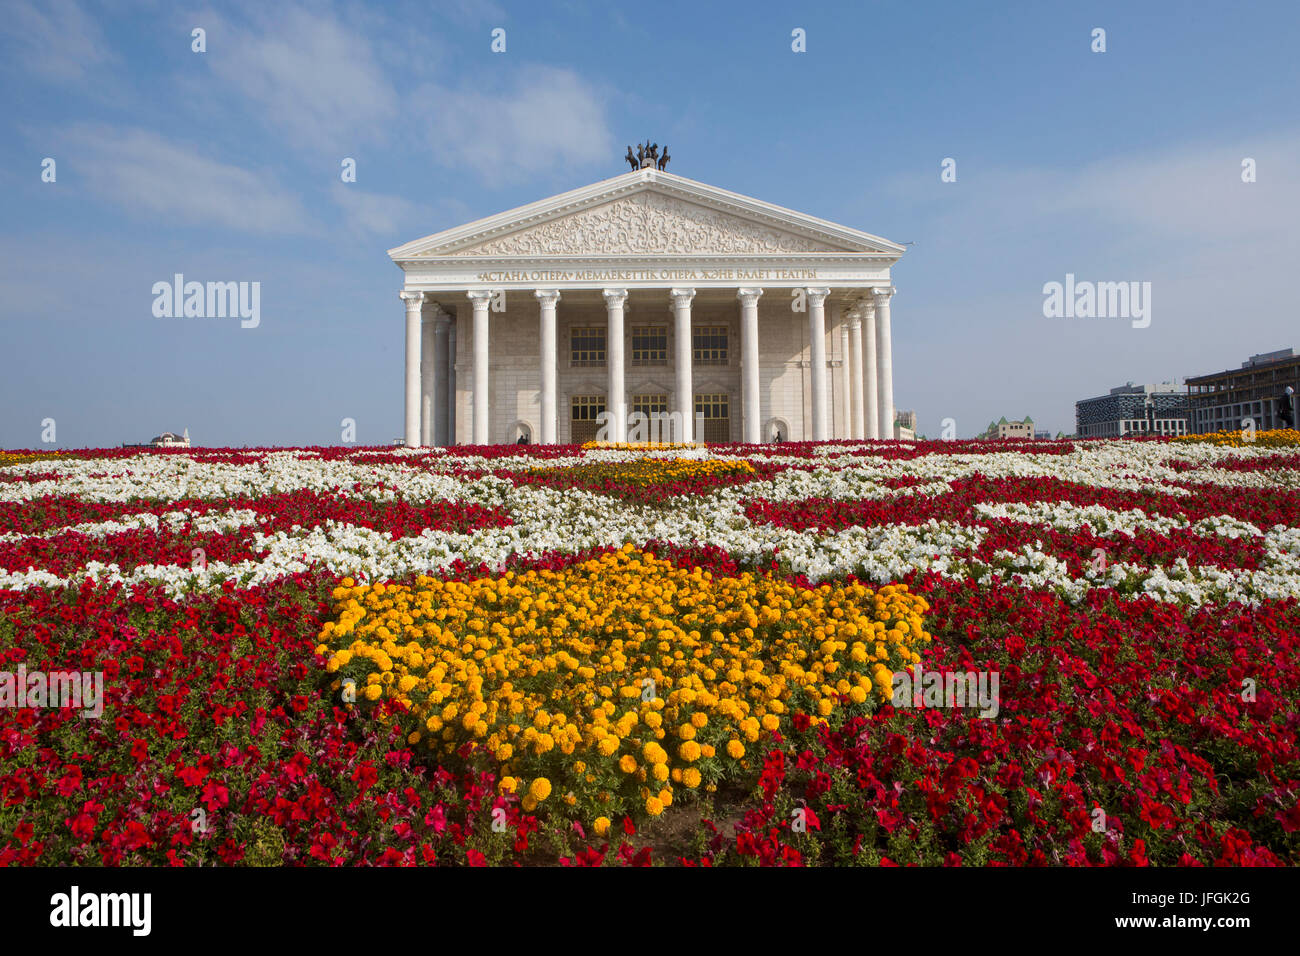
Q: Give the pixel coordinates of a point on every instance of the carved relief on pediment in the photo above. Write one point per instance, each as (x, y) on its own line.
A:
(647, 224)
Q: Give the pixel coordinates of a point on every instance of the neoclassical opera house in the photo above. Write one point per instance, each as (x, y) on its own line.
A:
(647, 293)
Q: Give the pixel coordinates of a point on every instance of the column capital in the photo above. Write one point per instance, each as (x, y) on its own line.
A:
(481, 298)
(855, 321)
(882, 294)
(748, 295)
(682, 297)
(865, 308)
(413, 300)
(548, 296)
(615, 297)
(817, 296)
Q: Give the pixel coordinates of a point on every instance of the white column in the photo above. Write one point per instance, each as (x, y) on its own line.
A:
(615, 400)
(885, 361)
(751, 413)
(450, 411)
(428, 405)
(442, 393)
(548, 298)
(844, 402)
(870, 412)
(684, 348)
(482, 300)
(413, 300)
(855, 375)
(817, 347)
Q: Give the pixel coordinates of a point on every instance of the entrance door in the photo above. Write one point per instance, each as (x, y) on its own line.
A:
(716, 409)
(584, 417)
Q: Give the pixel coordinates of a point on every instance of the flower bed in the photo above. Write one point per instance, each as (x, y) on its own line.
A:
(702, 698)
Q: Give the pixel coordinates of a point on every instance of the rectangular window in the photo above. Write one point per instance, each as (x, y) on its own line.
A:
(650, 404)
(587, 347)
(709, 345)
(650, 345)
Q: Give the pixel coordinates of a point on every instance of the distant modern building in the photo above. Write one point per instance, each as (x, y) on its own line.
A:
(1129, 410)
(1044, 435)
(1222, 400)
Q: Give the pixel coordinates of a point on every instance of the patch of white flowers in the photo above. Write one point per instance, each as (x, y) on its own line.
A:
(567, 521)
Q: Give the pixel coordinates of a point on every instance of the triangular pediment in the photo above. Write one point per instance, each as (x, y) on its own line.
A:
(645, 213)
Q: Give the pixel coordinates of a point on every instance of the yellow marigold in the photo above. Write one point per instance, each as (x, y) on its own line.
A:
(666, 797)
(735, 749)
(540, 789)
(654, 806)
(691, 777)
(660, 771)
(689, 751)
(601, 826)
(699, 719)
(508, 784)
(627, 763)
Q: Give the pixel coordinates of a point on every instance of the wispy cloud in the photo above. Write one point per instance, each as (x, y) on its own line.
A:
(314, 78)
(54, 38)
(153, 177)
(374, 213)
(548, 119)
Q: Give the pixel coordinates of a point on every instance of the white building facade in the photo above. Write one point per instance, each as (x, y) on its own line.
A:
(645, 297)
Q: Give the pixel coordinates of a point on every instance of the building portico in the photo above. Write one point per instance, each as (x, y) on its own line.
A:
(642, 295)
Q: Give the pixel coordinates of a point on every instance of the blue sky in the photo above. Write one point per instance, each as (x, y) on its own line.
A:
(1115, 166)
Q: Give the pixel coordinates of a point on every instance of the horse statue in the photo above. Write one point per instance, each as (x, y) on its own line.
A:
(632, 160)
(663, 160)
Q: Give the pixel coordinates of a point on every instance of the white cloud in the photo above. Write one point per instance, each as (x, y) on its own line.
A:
(314, 77)
(146, 174)
(549, 119)
(55, 39)
(375, 213)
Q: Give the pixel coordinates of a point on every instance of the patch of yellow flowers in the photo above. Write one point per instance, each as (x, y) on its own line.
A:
(640, 445)
(22, 457)
(648, 472)
(620, 678)
(1238, 438)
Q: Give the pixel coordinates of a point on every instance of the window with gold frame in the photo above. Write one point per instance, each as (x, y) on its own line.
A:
(587, 347)
(650, 404)
(649, 345)
(709, 345)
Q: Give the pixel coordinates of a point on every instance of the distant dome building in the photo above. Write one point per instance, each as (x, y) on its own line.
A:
(172, 440)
